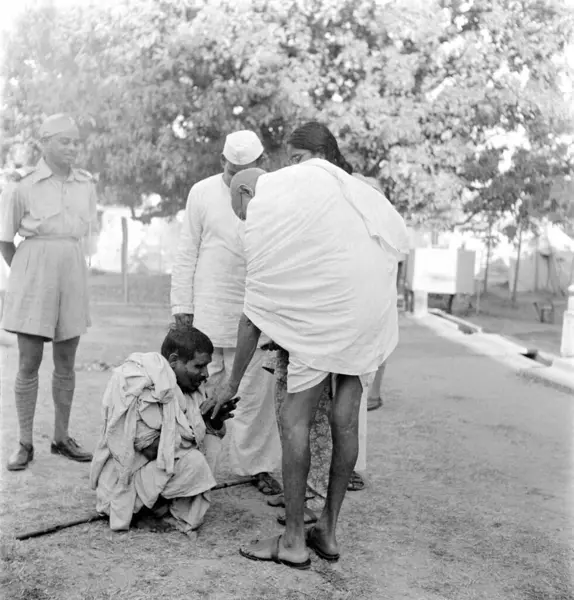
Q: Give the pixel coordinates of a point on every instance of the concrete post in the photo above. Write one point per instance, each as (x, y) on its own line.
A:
(421, 303)
(567, 345)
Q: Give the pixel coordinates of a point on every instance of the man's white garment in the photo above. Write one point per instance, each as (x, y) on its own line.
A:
(208, 276)
(322, 250)
(143, 402)
(362, 458)
(208, 281)
(249, 435)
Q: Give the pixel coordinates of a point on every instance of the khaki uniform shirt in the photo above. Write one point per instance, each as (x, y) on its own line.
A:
(42, 205)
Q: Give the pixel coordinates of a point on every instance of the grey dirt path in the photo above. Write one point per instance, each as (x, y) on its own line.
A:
(469, 496)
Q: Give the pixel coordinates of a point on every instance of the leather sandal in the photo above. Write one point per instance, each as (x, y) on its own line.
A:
(274, 556)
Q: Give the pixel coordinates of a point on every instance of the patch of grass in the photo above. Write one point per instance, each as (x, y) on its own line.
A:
(498, 315)
(26, 574)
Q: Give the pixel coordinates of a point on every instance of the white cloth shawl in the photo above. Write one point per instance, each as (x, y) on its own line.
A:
(322, 249)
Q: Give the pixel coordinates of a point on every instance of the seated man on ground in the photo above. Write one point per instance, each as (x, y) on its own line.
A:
(156, 450)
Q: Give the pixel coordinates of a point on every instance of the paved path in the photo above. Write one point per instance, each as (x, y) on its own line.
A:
(470, 492)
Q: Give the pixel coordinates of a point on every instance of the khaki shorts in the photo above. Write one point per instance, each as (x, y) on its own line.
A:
(47, 292)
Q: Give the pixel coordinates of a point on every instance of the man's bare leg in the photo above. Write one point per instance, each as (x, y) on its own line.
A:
(374, 399)
(296, 417)
(345, 432)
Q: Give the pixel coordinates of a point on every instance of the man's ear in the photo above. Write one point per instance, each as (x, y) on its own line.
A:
(223, 161)
(245, 188)
(173, 358)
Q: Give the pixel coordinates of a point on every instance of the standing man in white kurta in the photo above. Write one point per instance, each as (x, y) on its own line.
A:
(207, 290)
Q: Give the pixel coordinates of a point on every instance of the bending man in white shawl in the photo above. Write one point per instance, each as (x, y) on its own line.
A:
(156, 450)
(322, 250)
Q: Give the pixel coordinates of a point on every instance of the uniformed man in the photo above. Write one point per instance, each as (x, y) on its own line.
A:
(53, 207)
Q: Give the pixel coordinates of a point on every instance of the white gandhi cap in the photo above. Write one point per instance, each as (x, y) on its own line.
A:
(242, 147)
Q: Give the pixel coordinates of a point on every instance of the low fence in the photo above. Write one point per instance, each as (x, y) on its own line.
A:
(131, 270)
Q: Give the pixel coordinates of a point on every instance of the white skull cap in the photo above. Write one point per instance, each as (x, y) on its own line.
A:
(242, 147)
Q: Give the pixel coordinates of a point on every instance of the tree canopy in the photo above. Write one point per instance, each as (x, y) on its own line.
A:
(415, 91)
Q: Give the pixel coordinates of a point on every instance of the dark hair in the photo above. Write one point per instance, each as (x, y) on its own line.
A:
(186, 342)
(317, 138)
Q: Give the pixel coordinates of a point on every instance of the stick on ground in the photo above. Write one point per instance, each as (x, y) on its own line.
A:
(91, 518)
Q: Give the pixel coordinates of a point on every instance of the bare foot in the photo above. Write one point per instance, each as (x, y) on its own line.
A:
(192, 535)
(151, 523)
(325, 546)
(357, 483)
(265, 550)
(178, 525)
(277, 501)
(267, 484)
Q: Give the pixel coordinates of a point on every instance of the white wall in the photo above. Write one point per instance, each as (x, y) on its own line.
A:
(151, 248)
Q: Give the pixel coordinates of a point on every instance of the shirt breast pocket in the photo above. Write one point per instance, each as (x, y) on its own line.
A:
(80, 207)
(42, 209)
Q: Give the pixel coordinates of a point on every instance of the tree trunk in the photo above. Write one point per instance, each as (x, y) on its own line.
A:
(536, 266)
(517, 269)
(125, 276)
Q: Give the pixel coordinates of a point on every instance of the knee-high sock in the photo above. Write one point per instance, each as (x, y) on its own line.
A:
(26, 392)
(63, 394)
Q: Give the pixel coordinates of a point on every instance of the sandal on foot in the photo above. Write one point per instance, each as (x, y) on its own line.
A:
(267, 484)
(275, 557)
(374, 403)
(356, 484)
(279, 501)
(309, 517)
(311, 543)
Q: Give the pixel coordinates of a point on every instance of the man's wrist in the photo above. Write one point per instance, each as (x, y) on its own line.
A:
(233, 386)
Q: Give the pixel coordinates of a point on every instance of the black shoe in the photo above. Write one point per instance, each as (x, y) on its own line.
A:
(20, 459)
(71, 449)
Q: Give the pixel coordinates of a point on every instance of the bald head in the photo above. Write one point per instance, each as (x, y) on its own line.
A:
(242, 189)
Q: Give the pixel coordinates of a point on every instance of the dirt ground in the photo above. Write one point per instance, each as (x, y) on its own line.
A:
(142, 289)
(469, 496)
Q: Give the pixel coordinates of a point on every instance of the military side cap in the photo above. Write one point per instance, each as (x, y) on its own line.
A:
(60, 123)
